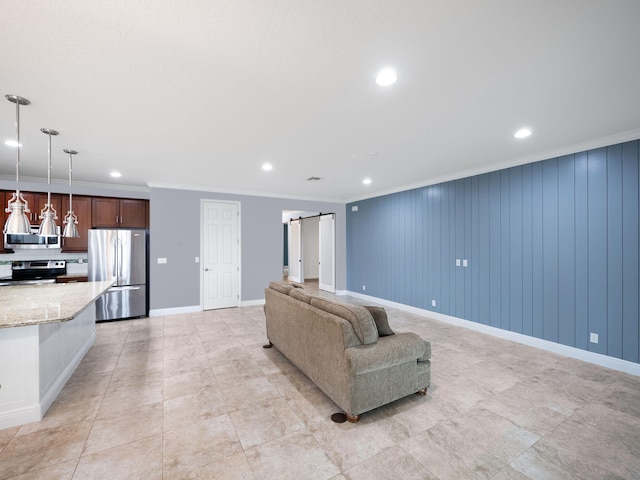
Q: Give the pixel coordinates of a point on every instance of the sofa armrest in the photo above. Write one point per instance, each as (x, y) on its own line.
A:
(387, 352)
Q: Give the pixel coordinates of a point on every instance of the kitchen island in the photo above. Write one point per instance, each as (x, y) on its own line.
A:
(45, 331)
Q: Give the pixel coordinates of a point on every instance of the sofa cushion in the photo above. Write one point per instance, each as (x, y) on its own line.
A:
(301, 294)
(379, 315)
(280, 287)
(358, 316)
(427, 352)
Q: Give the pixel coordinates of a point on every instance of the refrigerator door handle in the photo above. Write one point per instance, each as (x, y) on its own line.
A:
(120, 289)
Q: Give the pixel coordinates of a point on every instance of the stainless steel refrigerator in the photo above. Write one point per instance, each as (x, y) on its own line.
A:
(120, 254)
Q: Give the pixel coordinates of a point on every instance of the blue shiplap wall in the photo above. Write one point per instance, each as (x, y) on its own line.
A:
(552, 248)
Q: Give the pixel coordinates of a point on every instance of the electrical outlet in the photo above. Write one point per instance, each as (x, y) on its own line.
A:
(457, 262)
(162, 260)
(465, 263)
(433, 303)
(593, 337)
(364, 288)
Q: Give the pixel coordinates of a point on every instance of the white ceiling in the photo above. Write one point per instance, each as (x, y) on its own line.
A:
(199, 93)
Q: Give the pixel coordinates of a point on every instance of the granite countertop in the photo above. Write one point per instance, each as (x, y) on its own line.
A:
(24, 305)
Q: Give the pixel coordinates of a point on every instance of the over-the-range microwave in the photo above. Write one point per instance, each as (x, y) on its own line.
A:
(31, 241)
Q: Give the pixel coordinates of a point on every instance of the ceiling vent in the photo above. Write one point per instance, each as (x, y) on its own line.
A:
(314, 179)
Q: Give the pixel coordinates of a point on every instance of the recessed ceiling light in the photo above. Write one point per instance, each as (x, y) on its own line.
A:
(522, 133)
(386, 76)
(115, 174)
(367, 181)
(12, 143)
(267, 167)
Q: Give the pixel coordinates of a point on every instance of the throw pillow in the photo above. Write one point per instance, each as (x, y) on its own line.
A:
(379, 315)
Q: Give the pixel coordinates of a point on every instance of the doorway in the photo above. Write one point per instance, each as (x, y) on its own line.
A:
(310, 251)
(220, 254)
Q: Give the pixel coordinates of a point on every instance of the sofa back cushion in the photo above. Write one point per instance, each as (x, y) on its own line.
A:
(359, 318)
(301, 294)
(281, 287)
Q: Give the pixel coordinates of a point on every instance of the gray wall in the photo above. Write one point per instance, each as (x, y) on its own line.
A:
(175, 235)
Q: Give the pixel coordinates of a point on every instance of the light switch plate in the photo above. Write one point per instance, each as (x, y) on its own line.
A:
(162, 260)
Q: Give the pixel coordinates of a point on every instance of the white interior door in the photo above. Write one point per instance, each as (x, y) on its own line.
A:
(327, 239)
(295, 251)
(220, 255)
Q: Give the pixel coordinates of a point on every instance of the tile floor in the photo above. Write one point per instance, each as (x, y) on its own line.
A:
(196, 396)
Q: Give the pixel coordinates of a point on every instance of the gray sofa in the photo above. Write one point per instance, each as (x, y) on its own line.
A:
(347, 350)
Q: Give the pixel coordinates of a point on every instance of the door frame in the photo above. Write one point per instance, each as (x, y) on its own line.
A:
(203, 201)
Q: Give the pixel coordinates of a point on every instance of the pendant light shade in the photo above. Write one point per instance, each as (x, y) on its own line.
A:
(48, 214)
(70, 221)
(17, 207)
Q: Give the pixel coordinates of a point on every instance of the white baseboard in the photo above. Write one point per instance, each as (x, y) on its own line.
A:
(161, 312)
(572, 352)
(252, 303)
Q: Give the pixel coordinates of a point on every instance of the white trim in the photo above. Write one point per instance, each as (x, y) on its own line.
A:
(252, 303)
(615, 139)
(161, 312)
(246, 193)
(577, 353)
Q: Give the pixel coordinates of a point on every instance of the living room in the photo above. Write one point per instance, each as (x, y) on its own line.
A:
(516, 258)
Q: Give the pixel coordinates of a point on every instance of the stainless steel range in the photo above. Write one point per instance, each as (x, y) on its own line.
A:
(34, 272)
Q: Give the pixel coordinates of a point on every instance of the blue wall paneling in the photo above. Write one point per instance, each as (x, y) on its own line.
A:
(552, 249)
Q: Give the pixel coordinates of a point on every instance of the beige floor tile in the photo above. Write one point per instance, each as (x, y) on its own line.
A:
(543, 462)
(124, 377)
(600, 438)
(178, 397)
(194, 446)
(248, 392)
(450, 455)
(391, 464)
(124, 427)
(43, 448)
(497, 435)
(293, 457)
(177, 366)
(265, 421)
(65, 411)
(234, 467)
(197, 407)
(60, 471)
(124, 397)
(137, 460)
(188, 383)
(6, 434)
(311, 405)
(231, 373)
(349, 444)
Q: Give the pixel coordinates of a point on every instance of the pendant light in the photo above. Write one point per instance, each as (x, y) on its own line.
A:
(48, 214)
(18, 222)
(70, 221)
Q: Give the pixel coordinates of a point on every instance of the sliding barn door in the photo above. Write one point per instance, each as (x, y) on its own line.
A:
(327, 274)
(295, 251)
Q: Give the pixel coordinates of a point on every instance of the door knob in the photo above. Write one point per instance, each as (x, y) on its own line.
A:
(206, 269)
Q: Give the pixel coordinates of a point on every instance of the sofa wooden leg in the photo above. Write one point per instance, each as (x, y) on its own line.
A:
(268, 345)
(422, 391)
(352, 418)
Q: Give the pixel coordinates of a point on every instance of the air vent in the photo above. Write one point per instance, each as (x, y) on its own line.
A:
(314, 179)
